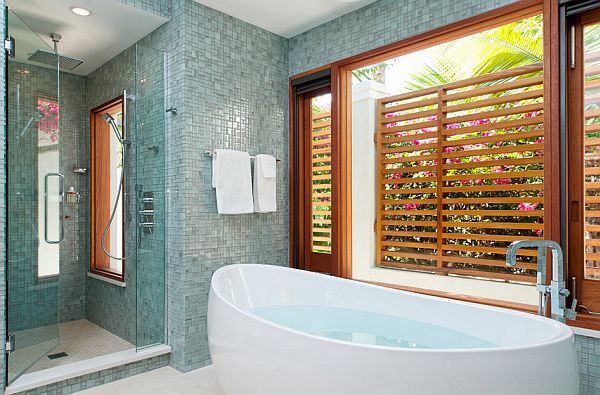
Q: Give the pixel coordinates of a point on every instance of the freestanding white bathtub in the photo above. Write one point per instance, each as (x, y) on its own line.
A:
(280, 331)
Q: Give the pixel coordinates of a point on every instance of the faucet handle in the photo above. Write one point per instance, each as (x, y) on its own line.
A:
(571, 314)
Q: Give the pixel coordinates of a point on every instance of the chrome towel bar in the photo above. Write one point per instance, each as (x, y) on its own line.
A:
(212, 153)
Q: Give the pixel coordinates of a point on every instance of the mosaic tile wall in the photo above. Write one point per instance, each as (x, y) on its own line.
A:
(170, 38)
(158, 7)
(38, 302)
(588, 357)
(2, 199)
(235, 89)
(378, 24)
(140, 305)
(98, 378)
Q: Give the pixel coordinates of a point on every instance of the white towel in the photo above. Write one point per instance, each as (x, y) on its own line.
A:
(265, 188)
(232, 179)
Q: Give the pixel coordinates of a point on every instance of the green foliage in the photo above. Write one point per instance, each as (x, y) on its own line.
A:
(371, 73)
(508, 46)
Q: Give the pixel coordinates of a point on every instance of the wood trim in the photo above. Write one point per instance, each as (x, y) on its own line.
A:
(551, 63)
(341, 109)
(585, 321)
(292, 176)
(307, 73)
(100, 133)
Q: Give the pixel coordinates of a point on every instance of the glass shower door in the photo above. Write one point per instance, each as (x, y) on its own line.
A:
(35, 198)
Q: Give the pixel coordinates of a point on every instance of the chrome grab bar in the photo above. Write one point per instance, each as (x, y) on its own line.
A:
(61, 200)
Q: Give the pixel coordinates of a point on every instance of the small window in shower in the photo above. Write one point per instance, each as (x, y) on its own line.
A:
(50, 186)
(108, 224)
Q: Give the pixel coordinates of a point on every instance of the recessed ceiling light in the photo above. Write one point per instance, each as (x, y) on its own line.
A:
(80, 11)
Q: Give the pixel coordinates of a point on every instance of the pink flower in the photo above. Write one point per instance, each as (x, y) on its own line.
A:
(527, 206)
(502, 181)
(411, 206)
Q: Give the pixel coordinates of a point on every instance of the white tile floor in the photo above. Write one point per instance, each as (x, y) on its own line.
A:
(163, 381)
(79, 339)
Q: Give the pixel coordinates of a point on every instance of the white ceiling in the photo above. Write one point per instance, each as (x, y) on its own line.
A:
(112, 28)
(286, 17)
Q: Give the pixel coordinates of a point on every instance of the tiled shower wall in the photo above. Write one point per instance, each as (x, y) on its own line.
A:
(2, 197)
(140, 305)
(105, 84)
(35, 301)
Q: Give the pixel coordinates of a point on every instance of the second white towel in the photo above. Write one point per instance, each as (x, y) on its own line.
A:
(265, 185)
(232, 180)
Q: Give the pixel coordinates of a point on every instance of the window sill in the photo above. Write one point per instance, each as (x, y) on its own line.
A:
(121, 284)
(585, 323)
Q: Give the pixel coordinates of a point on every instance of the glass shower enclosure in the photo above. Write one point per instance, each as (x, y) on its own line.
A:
(48, 206)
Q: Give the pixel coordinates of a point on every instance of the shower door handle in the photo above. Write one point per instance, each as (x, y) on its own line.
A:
(61, 201)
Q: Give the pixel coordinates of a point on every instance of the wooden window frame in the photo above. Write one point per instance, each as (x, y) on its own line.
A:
(341, 83)
(574, 165)
(100, 207)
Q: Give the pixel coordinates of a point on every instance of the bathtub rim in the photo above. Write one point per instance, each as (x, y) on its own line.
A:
(565, 333)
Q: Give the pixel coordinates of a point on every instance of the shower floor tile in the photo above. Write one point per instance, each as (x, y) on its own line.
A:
(80, 340)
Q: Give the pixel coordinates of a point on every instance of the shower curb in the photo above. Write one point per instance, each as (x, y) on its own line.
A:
(90, 373)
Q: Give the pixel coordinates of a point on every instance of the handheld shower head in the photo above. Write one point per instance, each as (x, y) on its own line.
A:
(106, 117)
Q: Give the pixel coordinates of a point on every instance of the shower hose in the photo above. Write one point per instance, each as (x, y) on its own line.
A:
(115, 206)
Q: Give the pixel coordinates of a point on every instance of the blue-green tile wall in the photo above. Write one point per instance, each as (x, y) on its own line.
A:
(158, 7)
(105, 84)
(235, 96)
(170, 38)
(141, 304)
(3, 213)
(38, 302)
(588, 358)
(378, 24)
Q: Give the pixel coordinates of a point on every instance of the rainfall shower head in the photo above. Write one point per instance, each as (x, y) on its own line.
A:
(49, 58)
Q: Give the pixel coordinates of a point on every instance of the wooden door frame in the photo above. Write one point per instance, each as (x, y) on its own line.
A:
(300, 134)
(98, 214)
